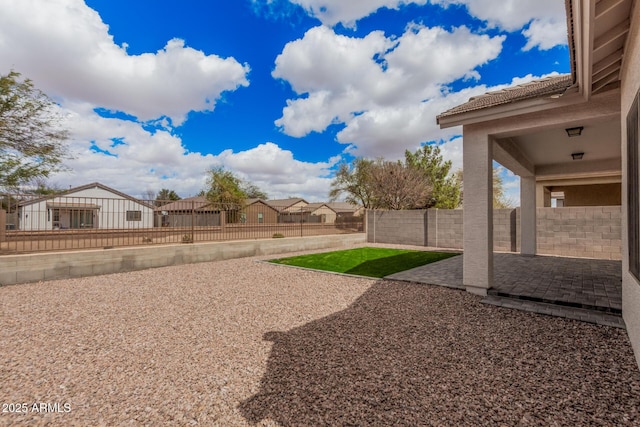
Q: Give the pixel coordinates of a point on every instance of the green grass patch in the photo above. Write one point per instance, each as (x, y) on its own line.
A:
(370, 262)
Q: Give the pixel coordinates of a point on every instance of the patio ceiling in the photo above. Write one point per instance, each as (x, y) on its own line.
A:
(549, 152)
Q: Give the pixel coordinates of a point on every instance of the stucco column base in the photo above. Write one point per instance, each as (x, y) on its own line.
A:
(476, 290)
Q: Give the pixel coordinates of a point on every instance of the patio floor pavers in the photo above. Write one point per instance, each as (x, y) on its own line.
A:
(578, 288)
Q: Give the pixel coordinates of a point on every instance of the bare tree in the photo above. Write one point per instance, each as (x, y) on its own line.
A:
(149, 195)
(397, 186)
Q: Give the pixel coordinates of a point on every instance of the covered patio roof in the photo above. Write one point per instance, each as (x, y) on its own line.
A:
(525, 128)
(536, 142)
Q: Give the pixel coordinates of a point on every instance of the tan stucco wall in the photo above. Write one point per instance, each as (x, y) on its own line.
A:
(591, 195)
(330, 215)
(630, 87)
(296, 207)
(269, 215)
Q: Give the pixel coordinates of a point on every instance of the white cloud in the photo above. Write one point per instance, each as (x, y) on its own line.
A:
(83, 63)
(385, 91)
(278, 173)
(545, 34)
(546, 19)
(86, 70)
(543, 22)
(140, 160)
(332, 12)
(452, 150)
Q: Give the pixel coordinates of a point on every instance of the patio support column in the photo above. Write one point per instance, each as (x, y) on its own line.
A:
(478, 211)
(528, 215)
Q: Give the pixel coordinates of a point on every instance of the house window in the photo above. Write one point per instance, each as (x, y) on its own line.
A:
(56, 218)
(134, 215)
(80, 218)
(260, 218)
(633, 188)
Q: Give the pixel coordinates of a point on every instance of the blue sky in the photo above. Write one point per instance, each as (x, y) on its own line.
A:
(155, 92)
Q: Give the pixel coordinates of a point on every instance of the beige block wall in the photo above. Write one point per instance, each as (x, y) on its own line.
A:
(61, 265)
(630, 87)
(397, 227)
(590, 232)
(504, 230)
(444, 228)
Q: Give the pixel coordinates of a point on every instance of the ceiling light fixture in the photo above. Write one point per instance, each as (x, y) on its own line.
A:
(577, 131)
(577, 156)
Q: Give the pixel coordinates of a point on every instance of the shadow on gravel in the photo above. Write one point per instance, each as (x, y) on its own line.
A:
(406, 354)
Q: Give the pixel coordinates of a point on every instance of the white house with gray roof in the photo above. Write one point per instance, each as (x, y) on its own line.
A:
(91, 206)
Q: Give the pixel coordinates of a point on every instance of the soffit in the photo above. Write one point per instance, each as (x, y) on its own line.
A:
(611, 25)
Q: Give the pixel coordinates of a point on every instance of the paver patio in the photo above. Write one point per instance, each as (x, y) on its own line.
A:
(576, 288)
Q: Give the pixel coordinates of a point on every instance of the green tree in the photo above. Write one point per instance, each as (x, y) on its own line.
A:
(253, 192)
(446, 187)
(43, 188)
(500, 200)
(355, 182)
(166, 196)
(31, 140)
(224, 188)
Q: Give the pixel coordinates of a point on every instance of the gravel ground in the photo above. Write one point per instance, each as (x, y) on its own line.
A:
(239, 342)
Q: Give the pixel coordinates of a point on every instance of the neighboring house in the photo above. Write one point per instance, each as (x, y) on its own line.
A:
(87, 207)
(344, 209)
(287, 205)
(196, 211)
(528, 129)
(322, 211)
(290, 210)
(257, 211)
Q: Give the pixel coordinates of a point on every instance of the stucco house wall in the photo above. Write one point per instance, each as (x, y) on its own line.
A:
(108, 210)
(296, 207)
(630, 87)
(587, 195)
(326, 212)
(254, 210)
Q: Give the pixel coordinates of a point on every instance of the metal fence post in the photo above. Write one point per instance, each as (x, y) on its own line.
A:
(193, 236)
(3, 225)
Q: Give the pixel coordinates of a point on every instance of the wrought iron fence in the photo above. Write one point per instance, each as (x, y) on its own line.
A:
(52, 223)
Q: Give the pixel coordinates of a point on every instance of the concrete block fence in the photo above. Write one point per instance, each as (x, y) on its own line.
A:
(591, 232)
(63, 265)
